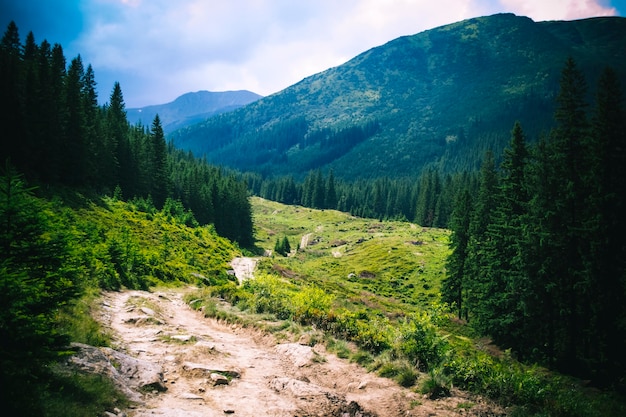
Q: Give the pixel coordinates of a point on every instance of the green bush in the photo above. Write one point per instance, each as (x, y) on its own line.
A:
(436, 384)
(362, 358)
(311, 305)
(270, 294)
(419, 341)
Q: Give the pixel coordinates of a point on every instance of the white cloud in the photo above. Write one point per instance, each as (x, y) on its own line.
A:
(559, 9)
(159, 49)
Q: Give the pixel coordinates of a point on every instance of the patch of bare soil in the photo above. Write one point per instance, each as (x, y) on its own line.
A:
(212, 369)
(244, 268)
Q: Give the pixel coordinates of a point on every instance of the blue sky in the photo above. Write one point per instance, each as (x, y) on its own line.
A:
(160, 49)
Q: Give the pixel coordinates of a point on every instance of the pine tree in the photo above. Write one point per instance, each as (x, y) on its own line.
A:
(607, 225)
(481, 301)
(541, 248)
(331, 192)
(454, 289)
(511, 300)
(11, 117)
(118, 158)
(94, 140)
(159, 167)
(318, 193)
(282, 246)
(75, 147)
(568, 142)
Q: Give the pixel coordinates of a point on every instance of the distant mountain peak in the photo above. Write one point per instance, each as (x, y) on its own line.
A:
(192, 107)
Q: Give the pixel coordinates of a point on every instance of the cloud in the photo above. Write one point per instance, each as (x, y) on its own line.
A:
(261, 45)
(159, 49)
(559, 9)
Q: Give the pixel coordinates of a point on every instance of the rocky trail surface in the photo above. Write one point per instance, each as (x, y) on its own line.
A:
(175, 363)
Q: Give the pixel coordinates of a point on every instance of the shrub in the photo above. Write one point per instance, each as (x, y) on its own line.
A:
(420, 342)
(311, 305)
(362, 358)
(436, 384)
(269, 295)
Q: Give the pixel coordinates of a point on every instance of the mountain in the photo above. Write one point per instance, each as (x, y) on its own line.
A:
(438, 98)
(191, 108)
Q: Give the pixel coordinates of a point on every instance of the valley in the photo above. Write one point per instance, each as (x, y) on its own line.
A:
(412, 236)
(328, 330)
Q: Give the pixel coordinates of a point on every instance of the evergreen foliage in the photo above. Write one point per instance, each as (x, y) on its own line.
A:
(36, 279)
(453, 287)
(282, 247)
(544, 265)
(61, 137)
(427, 200)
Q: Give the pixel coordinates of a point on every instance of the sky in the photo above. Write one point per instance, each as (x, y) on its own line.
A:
(160, 49)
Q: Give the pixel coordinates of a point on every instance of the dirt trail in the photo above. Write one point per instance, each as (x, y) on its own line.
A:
(266, 378)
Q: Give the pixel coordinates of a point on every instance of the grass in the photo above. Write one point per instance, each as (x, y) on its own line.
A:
(376, 285)
(115, 245)
(396, 267)
(81, 395)
(78, 321)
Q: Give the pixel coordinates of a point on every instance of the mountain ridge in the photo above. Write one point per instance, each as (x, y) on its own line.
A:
(191, 107)
(440, 98)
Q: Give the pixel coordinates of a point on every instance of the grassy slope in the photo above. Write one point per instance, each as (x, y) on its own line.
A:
(394, 267)
(398, 268)
(161, 248)
(114, 243)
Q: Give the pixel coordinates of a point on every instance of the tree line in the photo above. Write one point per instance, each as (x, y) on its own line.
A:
(57, 134)
(427, 200)
(538, 252)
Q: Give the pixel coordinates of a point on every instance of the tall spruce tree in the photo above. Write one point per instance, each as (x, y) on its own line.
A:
(509, 298)
(607, 237)
(159, 167)
(569, 149)
(331, 192)
(480, 302)
(94, 141)
(117, 140)
(74, 144)
(11, 81)
(454, 285)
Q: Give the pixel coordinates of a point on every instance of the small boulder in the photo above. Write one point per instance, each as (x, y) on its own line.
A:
(218, 379)
(300, 355)
(148, 311)
(182, 337)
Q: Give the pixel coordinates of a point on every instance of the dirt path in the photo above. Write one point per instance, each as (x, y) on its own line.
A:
(244, 268)
(266, 378)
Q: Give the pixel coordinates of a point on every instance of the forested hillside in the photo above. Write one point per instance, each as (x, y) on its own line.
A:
(56, 134)
(88, 202)
(438, 99)
(539, 236)
(538, 253)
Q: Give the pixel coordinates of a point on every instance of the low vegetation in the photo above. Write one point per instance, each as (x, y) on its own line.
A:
(349, 293)
(56, 256)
